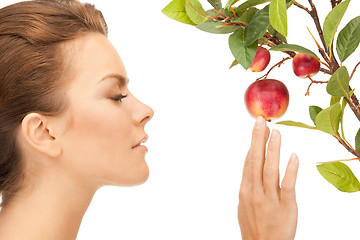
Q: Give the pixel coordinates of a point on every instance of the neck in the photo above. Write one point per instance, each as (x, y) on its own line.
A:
(52, 210)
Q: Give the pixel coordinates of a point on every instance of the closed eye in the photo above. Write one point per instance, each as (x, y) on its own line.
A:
(118, 98)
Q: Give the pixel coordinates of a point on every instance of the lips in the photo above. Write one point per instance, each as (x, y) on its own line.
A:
(143, 140)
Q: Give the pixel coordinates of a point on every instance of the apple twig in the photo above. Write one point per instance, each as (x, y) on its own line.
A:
(325, 71)
(354, 104)
(335, 2)
(323, 51)
(352, 74)
(232, 24)
(328, 54)
(341, 160)
(272, 68)
(348, 147)
(302, 7)
(312, 81)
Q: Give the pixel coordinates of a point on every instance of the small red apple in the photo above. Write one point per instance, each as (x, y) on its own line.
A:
(268, 98)
(261, 60)
(305, 65)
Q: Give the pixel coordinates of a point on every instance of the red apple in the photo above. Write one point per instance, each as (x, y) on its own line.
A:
(268, 98)
(305, 65)
(261, 60)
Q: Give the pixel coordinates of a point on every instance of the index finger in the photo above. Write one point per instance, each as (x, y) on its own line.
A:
(254, 162)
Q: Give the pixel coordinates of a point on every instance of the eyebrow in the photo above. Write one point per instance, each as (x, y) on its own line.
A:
(122, 80)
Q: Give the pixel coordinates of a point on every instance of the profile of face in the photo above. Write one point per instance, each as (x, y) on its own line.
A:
(101, 130)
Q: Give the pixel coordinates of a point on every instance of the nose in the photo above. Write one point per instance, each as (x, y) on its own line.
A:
(149, 113)
(143, 113)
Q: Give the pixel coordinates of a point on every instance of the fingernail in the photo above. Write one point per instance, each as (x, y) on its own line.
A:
(274, 135)
(294, 158)
(259, 122)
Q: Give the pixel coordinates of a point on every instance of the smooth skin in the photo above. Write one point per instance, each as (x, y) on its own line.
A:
(93, 143)
(266, 210)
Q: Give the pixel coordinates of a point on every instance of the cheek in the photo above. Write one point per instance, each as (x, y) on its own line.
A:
(99, 146)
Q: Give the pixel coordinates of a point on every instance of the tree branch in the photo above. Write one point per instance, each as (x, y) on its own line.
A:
(313, 13)
(335, 2)
(351, 150)
(353, 72)
(302, 7)
(324, 70)
(315, 16)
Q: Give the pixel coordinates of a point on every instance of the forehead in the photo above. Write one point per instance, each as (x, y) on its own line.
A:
(91, 58)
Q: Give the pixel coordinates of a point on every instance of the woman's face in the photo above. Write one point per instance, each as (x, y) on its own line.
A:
(104, 128)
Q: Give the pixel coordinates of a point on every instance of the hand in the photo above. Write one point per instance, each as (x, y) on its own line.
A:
(265, 210)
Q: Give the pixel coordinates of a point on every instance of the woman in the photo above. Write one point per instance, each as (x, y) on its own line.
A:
(69, 125)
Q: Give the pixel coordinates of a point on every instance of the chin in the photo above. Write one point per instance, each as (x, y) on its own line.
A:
(134, 178)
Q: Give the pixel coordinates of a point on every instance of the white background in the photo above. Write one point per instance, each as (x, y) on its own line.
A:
(201, 132)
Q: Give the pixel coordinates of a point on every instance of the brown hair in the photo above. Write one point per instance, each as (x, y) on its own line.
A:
(32, 69)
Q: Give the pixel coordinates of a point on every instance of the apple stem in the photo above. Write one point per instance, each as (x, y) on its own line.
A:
(272, 68)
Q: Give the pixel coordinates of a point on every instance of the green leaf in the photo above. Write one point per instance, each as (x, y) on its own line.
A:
(348, 39)
(258, 26)
(278, 16)
(212, 26)
(351, 92)
(177, 11)
(357, 141)
(248, 4)
(334, 100)
(332, 22)
(339, 175)
(293, 47)
(216, 27)
(215, 3)
(343, 105)
(242, 53)
(230, 3)
(251, 3)
(328, 119)
(296, 124)
(234, 63)
(247, 15)
(314, 111)
(195, 11)
(289, 3)
(338, 85)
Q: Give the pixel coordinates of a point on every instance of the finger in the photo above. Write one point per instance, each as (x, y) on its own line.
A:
(247, 174)
(289, 181)
(257, 151)
(267, 133)
(271, 165)
(247, 169)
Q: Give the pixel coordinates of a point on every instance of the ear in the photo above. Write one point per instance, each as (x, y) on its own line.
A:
(37, 134)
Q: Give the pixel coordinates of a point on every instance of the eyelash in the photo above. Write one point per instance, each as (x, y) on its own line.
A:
(119, 98)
